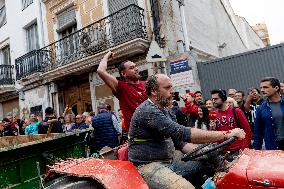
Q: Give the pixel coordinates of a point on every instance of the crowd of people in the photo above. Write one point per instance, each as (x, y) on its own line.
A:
(154, 124)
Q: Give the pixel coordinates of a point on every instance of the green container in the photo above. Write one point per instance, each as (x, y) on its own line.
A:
(18, 156)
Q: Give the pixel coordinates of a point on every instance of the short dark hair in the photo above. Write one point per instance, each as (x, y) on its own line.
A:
(273, 81)
(242, 92)
(108, 107)
(6, 120)
(222, 94)
(207, 100)
(49, 110)
(197, 92)
(151, 84)
(256, 89)
(121, 68)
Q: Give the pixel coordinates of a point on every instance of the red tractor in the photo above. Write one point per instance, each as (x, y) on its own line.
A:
(252, 169)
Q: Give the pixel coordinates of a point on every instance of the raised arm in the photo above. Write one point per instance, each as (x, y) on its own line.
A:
(110, 80)
(248, 102)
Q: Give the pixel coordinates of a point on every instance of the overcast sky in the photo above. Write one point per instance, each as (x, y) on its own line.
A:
(269, 11)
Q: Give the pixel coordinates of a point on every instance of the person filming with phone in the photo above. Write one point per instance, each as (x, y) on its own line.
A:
(252, 102)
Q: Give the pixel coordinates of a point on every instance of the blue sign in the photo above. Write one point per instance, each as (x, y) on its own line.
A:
(179, 66)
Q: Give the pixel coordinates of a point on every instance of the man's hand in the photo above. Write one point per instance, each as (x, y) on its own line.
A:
(109, 55)
(212, 125)
(240, 133)
(109, 79)
(1, 127)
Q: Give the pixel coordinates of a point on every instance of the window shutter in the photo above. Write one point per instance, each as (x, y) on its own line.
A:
(66, 19)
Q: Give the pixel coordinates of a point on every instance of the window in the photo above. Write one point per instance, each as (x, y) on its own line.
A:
(3, 20)
(67, 25)
(5, 56)
(66, 19)
(32, 37)
(26, 3)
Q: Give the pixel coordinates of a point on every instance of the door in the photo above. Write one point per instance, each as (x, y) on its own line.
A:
(78, 98)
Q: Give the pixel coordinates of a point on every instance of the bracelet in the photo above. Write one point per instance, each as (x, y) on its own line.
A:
(225, 134)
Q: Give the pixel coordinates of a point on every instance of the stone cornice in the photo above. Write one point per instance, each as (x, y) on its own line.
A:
(132, 48)
(34, 79)
(7, 88)
(8, 95)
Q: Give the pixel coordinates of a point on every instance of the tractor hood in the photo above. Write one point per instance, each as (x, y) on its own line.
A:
(265, 168)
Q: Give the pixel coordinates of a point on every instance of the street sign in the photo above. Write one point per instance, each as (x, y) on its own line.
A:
(182, 78)
(179, 66)
(155, 53)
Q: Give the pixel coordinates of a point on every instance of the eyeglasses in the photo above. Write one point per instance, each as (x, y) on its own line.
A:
(77, 118)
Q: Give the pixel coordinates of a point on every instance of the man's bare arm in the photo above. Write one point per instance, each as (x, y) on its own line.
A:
(199, 136)
(110, 80)
(248, 102)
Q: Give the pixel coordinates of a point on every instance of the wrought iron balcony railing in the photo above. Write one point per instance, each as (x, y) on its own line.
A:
(6, 75)
(120, 27)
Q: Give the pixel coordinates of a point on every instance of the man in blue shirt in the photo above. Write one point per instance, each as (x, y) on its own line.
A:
(79, 124)
(269, 123)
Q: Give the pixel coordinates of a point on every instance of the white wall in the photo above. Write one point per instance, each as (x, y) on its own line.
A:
(17, 19)
(251, 39)
(1, 112)
(34, 97)
(213, 23)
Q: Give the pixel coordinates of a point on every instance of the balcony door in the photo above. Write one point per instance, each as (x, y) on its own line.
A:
(123, 23)
(68, 46)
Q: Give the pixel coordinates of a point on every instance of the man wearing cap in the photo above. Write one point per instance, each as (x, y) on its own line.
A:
(154, 135)
(106, 130)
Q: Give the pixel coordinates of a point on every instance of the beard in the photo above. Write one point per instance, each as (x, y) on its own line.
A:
(163, 101)
(217, 105)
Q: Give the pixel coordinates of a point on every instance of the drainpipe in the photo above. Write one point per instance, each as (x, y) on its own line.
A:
(184, 27)
(41, 23)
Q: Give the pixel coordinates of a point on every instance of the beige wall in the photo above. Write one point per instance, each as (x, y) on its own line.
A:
(90, 11)
(11, 107)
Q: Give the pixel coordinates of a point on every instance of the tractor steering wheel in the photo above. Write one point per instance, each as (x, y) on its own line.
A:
(197, 152)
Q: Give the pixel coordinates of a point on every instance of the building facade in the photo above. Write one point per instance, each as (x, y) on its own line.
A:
(21, 32)
(59, 68)
(262, 32)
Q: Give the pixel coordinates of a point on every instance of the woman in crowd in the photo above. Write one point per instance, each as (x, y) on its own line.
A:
(203, 120)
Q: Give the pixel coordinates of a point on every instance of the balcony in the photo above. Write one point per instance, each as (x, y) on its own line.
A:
(73, 53)
(6, 75)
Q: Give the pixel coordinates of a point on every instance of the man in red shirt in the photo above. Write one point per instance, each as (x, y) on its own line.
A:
(227, 120)
(130, 91)
(190, 109)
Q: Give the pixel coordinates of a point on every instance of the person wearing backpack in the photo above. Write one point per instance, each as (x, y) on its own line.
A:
(228, 118)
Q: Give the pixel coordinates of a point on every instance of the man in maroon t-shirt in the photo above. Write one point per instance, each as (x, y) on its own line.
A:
(227, 120)
(130, 92)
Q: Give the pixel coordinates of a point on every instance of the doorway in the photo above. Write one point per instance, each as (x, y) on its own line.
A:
(78, 98)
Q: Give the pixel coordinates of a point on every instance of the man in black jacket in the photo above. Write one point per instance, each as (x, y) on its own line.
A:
(50, 121)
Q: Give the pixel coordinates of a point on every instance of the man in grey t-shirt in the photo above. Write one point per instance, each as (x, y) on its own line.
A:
(154, 135)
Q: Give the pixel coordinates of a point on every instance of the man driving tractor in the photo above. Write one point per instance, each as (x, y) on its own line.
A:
(154, 135)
